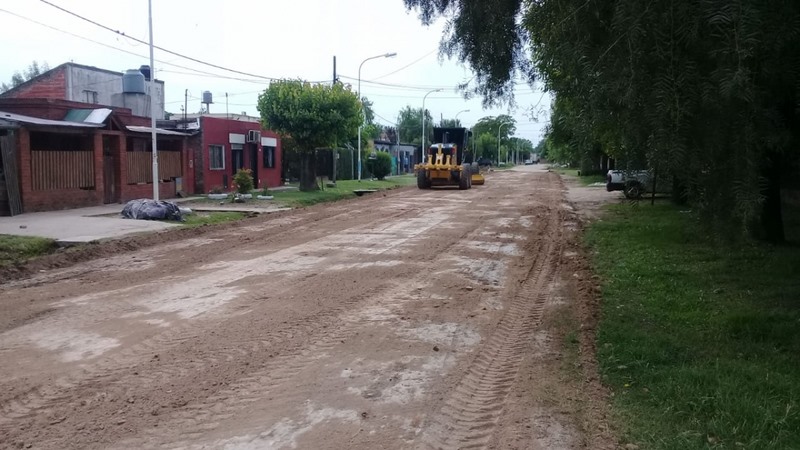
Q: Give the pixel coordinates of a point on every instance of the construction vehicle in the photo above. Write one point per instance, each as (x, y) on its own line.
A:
(448, 162)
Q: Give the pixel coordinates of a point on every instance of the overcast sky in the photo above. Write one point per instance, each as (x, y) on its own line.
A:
(280, 39)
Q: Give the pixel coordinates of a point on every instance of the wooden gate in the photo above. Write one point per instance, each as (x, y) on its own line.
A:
(10, 175)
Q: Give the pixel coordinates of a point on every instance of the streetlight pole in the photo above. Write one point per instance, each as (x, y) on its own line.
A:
(363, 117)
(466, 110)
(498, 140)
(422, 142)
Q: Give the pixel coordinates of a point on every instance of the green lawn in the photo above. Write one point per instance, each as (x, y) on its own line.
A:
(343, 189)
(17, 249)
(700, 343)
(584, 180)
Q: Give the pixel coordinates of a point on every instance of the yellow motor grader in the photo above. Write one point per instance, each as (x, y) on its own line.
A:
(448, 163)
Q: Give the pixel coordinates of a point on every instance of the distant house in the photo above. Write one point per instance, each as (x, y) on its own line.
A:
(80, 136)
(402, 155)
(224, 143)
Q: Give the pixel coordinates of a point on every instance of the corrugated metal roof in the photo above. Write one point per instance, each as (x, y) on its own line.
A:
(37, 121)
(138, 129)
(98, 115)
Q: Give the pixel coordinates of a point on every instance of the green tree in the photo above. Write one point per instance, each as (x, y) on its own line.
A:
(409, 125)
(450, 123)
(486, 144)
(704, 92)
(492, 124)
(33, 70)
(313, 116)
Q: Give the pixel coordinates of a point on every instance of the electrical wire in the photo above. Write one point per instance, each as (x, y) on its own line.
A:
(111, 46)
(180, 55)
(199, 61)
(407, 65)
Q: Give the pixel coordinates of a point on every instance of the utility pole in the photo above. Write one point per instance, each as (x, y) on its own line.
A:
(153, 103)
(335, 150)
(334, 69)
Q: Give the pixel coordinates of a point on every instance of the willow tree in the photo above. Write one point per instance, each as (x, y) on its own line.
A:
(312, 116)
(704, 91)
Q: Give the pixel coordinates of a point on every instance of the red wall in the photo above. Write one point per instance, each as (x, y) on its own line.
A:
(215, 132)
(52, 86)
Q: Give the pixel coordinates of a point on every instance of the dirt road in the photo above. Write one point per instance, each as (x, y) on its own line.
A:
(414, 319)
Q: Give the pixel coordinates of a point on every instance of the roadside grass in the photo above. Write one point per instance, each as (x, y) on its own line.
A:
(700, 343)
(199, 218)
(17, 249)
(344, 189)
(585, 180)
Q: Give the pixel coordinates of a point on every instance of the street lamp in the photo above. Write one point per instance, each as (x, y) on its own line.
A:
(385, 55)
(422, 142)
(498, 140)
(466, 110)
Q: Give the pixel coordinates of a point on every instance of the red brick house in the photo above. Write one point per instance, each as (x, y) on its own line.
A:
(225, 143)
(80, 136)
(62, 155)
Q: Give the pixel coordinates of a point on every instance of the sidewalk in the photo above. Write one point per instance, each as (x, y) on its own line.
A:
(78, 225)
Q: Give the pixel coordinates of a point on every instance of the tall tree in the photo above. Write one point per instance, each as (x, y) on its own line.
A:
(504, 124)
(312, 116)
(707, 92)
(409, 125)
(33, 70)
(450, 123)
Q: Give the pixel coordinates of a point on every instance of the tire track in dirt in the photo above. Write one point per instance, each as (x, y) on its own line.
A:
(275, 380)
(114, 371)
(114, 375)
(470, 413)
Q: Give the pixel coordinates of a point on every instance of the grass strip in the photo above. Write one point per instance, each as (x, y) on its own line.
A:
(699, 341)
(17, 249)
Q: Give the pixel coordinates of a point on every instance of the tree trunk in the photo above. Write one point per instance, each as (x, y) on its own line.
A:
(772, 214)
(308, 171)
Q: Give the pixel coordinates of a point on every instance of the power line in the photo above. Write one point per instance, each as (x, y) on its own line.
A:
(407, 65)
(406, 86)
(104, 44)
(155, 46)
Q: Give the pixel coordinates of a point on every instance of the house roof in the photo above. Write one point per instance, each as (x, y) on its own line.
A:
(19, 118)
(98, 115)
(138, 129)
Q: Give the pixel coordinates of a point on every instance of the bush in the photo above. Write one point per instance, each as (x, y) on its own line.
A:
(243, 180)
(381, 165)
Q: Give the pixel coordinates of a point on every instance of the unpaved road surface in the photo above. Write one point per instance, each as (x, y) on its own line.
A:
(411, 319)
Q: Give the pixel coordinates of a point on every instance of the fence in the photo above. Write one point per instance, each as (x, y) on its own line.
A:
(62, 169)
(140, 166)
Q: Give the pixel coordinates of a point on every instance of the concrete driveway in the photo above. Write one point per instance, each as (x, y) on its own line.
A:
(78, 225)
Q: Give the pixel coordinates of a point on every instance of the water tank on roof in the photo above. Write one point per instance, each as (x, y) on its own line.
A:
(207, 97)
(133, 82)
(145, 71)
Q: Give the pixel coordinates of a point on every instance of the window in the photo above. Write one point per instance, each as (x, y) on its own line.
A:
(269, 157)
(216, 157)
(90, 96)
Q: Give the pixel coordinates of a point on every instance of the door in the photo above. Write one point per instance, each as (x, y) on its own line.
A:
(237, 158)
(8, 151)
(109, 180)
(254, 163)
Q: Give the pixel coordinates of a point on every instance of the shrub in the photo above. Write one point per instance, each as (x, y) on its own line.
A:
(243, 181)
(381, 165)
